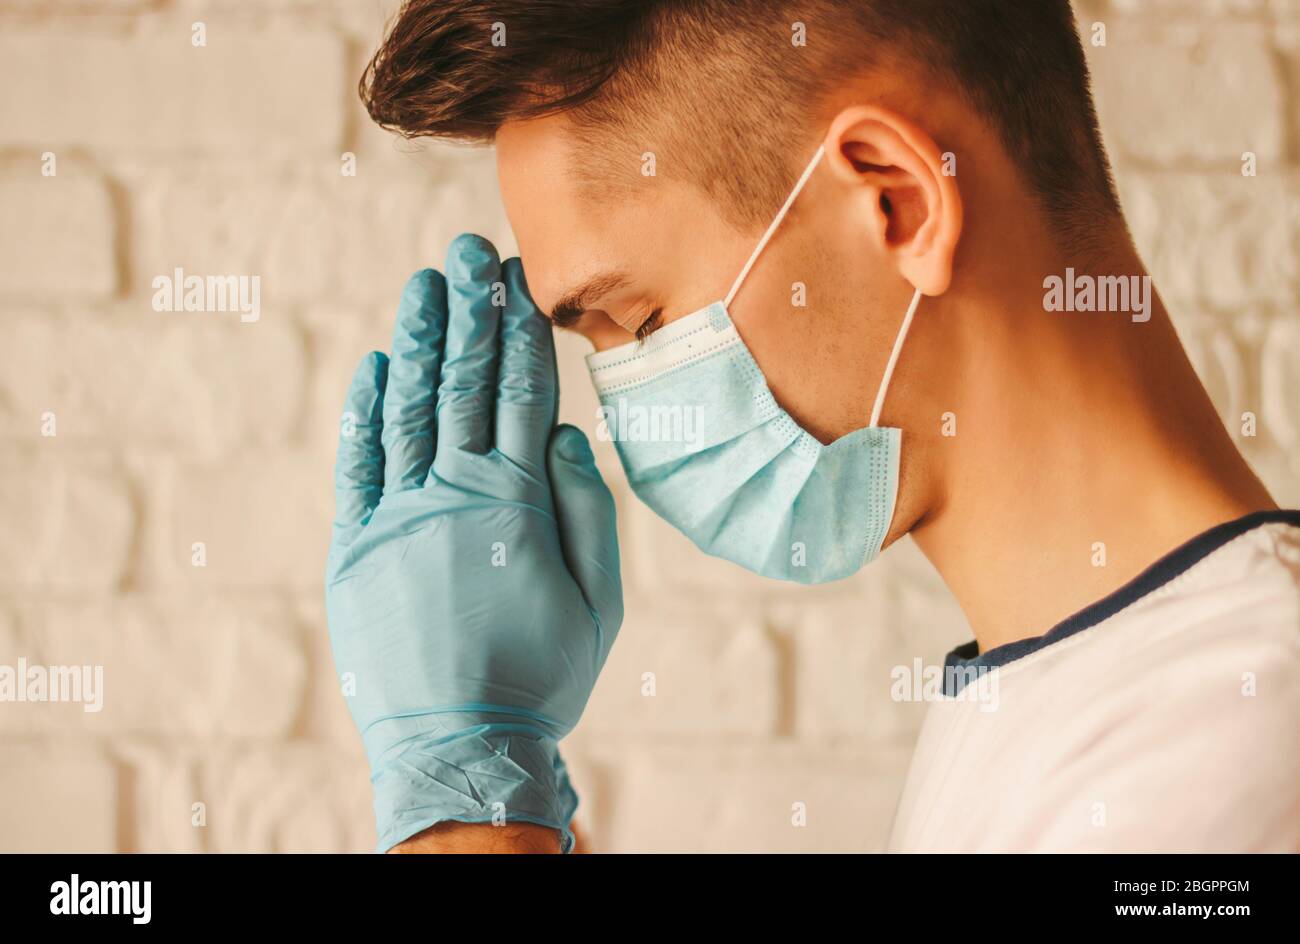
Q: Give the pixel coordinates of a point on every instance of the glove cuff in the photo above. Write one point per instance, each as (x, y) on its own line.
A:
(479, 776)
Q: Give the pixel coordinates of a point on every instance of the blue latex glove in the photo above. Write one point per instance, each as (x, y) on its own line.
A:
(473, 585)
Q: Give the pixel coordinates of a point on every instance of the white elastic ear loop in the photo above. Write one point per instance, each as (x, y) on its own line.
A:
(771, 230)
(893, 360)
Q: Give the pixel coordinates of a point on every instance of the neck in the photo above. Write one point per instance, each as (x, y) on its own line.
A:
(1084, 449)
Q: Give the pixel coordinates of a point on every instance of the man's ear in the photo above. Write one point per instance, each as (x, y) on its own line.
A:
(912, 208)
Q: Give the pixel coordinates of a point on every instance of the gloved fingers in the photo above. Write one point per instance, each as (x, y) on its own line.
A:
(359, 469)
(585, 511)
(467, 388)
(528, 386)
(418, 340)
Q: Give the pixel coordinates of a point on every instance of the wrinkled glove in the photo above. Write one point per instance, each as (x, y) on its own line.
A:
(472, 586)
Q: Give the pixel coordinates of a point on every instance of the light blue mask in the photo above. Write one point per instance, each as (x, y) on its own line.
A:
(706, 446)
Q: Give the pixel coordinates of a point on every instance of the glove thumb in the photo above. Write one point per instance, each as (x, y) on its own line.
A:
(585, 511)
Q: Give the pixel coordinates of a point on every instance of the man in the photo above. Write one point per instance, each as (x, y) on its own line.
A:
(772, 197)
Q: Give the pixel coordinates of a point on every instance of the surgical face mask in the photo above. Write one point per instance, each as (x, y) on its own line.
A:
(707, 447)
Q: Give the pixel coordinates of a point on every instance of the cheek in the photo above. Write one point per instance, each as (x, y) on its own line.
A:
(822, 359)
(815, 373)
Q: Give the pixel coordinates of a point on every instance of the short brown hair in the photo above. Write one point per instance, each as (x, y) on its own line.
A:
(683, 75)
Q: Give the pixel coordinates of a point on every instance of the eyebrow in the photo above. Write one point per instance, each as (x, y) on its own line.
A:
(574, 302)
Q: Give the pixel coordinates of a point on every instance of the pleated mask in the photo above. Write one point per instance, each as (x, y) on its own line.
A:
(706, 446)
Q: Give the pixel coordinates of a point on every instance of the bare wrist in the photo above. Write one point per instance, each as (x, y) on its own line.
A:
(487, 838)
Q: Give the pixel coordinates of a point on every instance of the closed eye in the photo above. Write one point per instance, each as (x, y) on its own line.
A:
(650, 325)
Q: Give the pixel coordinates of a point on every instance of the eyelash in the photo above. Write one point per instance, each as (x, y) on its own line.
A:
(650, 325)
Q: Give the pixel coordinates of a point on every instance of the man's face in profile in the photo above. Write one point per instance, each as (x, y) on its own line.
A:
(606, 265)
(612, 266)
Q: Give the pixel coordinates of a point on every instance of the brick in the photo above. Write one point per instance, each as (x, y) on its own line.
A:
(1198, 8)
(186, 666)
(276, 91)
(1286, 36)
(56, 799)
(314, 236)
(718, 798)
(11, 644)
(296, 797)
(163, 793)
(195, 382)
(845, 650)
(339, 336)
(325, 719)
(14, 716)
(1280, 472)
(1219, 359)
(1222, 239)
(931, 621)
(1280, 386)
(75, 6)
(69, 523)
(658, 557)
(595, 797)
(264, 519)
(1170, 95)
(715, 672)
(56, 233)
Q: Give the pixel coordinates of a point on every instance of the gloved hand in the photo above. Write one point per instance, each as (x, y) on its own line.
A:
(472, 586)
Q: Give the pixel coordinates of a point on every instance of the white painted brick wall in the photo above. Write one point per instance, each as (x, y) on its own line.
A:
(133, 87)
(176, 429)
(70, 253)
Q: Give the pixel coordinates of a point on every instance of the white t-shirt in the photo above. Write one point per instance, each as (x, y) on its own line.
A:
(1163, 718)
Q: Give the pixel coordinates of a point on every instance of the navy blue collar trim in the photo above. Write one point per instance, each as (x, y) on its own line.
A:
(966, 662)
